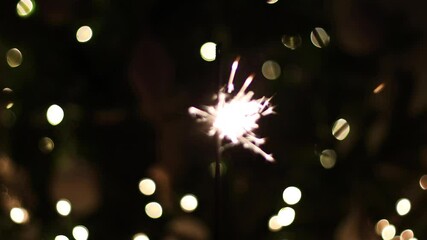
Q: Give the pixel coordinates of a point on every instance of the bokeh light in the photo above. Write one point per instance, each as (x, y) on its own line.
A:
(153, 210)
(24, 8)
(6, 98)
(274, 224)
(140, 236)
(80, 232)
(379, 88)
(271, 70)
(84, 34)
(407, 234)
(63, 207)
(319, 37)
(292, 41)
(208, 51)
(272, 1)
(222, 168)
(147, 186)
(403, 206)
(388, 232)
(189, 203)
(291, 195)
(61, 237)
(54, 115)
(19, 215)
(381, 224)
(14, 57)
(286, 216)
(423, 182)
(340, 129)
(328, 158)
(46, 145)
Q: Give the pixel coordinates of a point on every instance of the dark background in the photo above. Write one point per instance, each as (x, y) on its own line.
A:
(126, 92)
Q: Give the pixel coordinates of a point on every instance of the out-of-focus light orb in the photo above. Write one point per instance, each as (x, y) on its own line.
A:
(24, 8)
(54, 115)
(6, 98)
(340, 129)
(388, 232)
(292, 41)
(208, 51)
(80, 232)
(291, 195)
(274, 224)
(403, 206)
(14, 57)
(381, 224)
(379, 88)
(286, 216)
(46, 145)
(63, 207)
(222, 168)
(319, 37)
(271, 70)
(423, 182)
(140, 236)
(328, 158)
(272, 1)
(84, 34)
(407, 234)
(189, 203)
(153, 210)
(147, 186)
(19, 215)
(61, 237)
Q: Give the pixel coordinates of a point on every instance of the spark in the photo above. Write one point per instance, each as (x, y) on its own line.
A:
(235, 116)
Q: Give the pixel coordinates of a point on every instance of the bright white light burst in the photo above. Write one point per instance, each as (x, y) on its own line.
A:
(235, 116)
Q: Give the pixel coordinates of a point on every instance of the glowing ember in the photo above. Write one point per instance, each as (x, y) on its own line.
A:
(235, 116)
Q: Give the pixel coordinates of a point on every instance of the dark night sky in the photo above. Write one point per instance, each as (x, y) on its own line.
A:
(125, 94)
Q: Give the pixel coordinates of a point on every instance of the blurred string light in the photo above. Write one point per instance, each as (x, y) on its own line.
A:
(271, 70)
(403, 206)
(19, 215)
(208, 51)
(291, 41)
(407, 234)
(319, 37)
(80, 232)
(235, 117)
(291, 195)
(274, 224)
(272, 1)
(379, 88)
(153, 210)
(84, 34)
(388, 232)
(7, 97)
(381, 224)
(14, 57)
(54, 115)
(147, 186)
(24, 8)
(286, 216)
(46, 145)
(423, 182)
(61, 237)
(63, 207)
(340, 129)
(328, 158)
(189, 203)
(140, 236)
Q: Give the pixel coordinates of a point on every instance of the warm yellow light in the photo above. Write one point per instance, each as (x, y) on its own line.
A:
(388, 232)
(208, 51)
(340, 129)
(379, 88)
(381, 224)
(407, 234)
(54, 115)
(271, 70)
(63, 207)
(189, 203)
(80, 232)
(19, 215)
(24, 8)
(423, 182)
(403, 206)
(291, 195)
(272, 1)
(291, 41)
(319, 37)
(147, 186)
(274, 224)
(328, 158)
(46, 145)
(140, 236)
(84, 34)
(286, 216)
(14, 57)
(61, 237)
(153, 210)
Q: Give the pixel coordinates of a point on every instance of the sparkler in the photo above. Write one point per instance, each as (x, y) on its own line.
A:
(235, 116)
